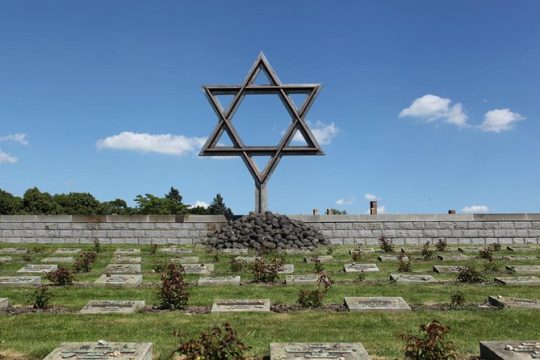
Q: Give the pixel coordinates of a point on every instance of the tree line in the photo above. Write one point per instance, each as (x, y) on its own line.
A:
(35, 202)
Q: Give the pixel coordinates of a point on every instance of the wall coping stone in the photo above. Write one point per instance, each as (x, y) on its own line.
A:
(113, 218)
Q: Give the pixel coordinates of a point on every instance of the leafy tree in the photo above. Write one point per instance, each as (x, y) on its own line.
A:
(116, 207)
(338, 212)
(218, 207)
(198, 210)
(78, 203)
(150, 204)
(174, 195)
(9, 204)
(37, 203)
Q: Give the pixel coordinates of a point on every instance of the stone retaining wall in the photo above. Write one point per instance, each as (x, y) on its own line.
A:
(341, 229)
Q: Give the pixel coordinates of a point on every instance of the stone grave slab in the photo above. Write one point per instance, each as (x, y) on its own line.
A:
(117, 280)
(247, 259)
(445, 257)
(322, 351)
(40, 268)
(13, 251)
(20, 280)
(241, 305)
(512, 302)
(410, 251)
(102, 350)
(519, 257)
(528, 269)
(175, 250)
(123, 269)
(518, 280)
(412, 279)
(447, 268)
(309, 279)
(298, 252)
(234, 251)
(390, 258)
(4, 303)
(324, 259)
(377, 303)
(186, 260)
(127, 260)
(361, 250)
(509, 350)
(201, 269)
(127, 251)
(519, 248)
(112, 307)
(350, 268)
(219, 281)
(469, 250)
(67, 251)
(286, 269)
(5, 259)
(59, 260)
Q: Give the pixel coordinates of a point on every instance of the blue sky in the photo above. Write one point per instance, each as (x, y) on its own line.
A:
(426, 105)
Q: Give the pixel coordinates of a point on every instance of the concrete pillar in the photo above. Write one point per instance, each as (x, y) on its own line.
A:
(451, 212)
(261, 198)
(315, 211)
(373, 207)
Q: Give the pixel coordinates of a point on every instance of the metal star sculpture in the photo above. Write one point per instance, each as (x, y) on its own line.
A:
(238, 148)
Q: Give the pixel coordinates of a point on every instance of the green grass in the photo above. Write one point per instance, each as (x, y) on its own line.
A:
(36, 334)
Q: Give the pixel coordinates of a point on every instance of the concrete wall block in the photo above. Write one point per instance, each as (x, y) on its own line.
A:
(14, 240)
(477, 241)
(181, 233)
(348, 241)
(412, 241)
(194, 233)
(86, 240)
(406, 225)
(103, 240)
(113, 233)
(431, 233)
(486, 233)
(354, 233)
(343, 226)
(523, 225)
(338, 233)
(457, 233)
(163, 226)
(372, 241)
(399, 241)
(419, 225)
(446, 225)
(375, 226)
(461, 225)
(414, 233)
(452, 241)
(491, 225)
(445, 233)
(391, 226)
(389, 233)
(534, 232)
(41, 240)
(470, 233)
(328, 226)
(6, 233)
(117, 240)
(336, 241)
(506, 225)
(530, 240)
(522, 233)
(505, 240)
(432, 225)
(512, 232)
(99, 233)
(360, 226)
(185, 241)
(130, 240)
(535, 224)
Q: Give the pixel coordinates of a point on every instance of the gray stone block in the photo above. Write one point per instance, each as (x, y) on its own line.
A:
(306, 351)
(504, 350)
(241, 305)
(87, 350)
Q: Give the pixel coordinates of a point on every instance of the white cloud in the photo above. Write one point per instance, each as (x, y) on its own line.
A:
(371, 197)
(200, 203)
(18, 138)
(381, 209)
(6, 158)
(163, 144)
(498, 120)
(348, 201)
(431, 108)
(475, 209)
(323, 133)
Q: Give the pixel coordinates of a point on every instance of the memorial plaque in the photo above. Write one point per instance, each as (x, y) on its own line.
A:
(519, 257)
(175, 250)
(186, 260)
(123, 269)
(112, 307)
(234, 251)
(469, 249)
(454, 257)
(376, 304)
(13, 251)
(31, 268)
(410, 251)
(510, 350)
(529, 269)
(309, 279)
(127, 260)
(361, 250)
(219, 281)
(519, 248)
(392, 258)
(412, 279)
(127, 251)
(102, 350)
(519, 280)
(247, 259)
(117, 280)
(513, 302)
(20, 280)
(67, 251)
(360, 268)
(447, 268)
(59, 260)
(201, 269)
(5, 259)
(322, 351)
(243, 305)
(324, 259)
(286, 269)
(4, 303)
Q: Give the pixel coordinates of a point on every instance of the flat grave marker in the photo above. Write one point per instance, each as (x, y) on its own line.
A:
(509, 350)
(324, 259)
(186, 260)
(445, 257)
(518, 280)
(322, 351)
(127, 259)
(519, 257)
(247, 259)
(175, 250)
(117, 280)
(469, 250)
(4, 303)
(234, 251)
(5, 259)
(286, 269)
(40, 268)
(201, 269)
(376, 303)
(102, 350)
(127, 251)
(59, 260)
(410, 251)
(13, 251)
(219, 281)
(112, 307)
(521, 248)
(123, 269)
(309, 279)
(241, 305)
(361, 250)
(447, 268)
(528, 269)
(350, 268)
(20, 280)
(67, 251)
(412, 279)
(392, 258)
(512, 302)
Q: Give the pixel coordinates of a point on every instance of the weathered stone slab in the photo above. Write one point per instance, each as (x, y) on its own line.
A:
(112, 307)
(13, 251)
(512, 302)
(410, 251)
(286, 269)
(4, 303)
(175, 250)
(201, 269)
(123, 269)
(67, 251)
(412, 279)
(247, 259)
(360, 268)
(520, 248)
(519, 257)
(219, 281)
(308, 279)
(361, 250)
(40, 268)
(376, 303)
(241, 305)
(445, 257)
(518, 280)
(127, 251)
(127, 260)
(186, 260)
(298, 252)
(102, 350)
(469, 250)
(5, 259)
(392, 258)
(323, 259)
(322, 351)
(509, 350)
(20, 280)
(447, 268)
(117, 280)
(234, 251)
(528, 269)
(59, 260)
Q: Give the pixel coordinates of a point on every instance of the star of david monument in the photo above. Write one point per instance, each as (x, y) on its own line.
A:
(225, 124)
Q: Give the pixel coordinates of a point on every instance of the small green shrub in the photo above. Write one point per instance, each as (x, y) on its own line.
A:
(404, 266)
(313, 298)
(495, 247)
(318, 265)
(173, 293)
(356, 255)
(266, 271)
(40, 297)
(486, 253)
(237, 265)
(159, 266)
(329, 250)
(220, 343)
(470, 275)
(386, 245)
(430, 346)
(441, 245)
(60, 277)
(457, 299)
(492, 265)
(427, 252)
(97, 246)
(26, 258)
(152, 248)
(360, 277)
(83, 264)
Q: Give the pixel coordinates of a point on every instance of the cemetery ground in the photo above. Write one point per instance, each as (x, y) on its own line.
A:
(26, 333)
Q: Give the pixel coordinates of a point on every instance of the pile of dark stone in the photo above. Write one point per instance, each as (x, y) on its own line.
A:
(266, 231)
